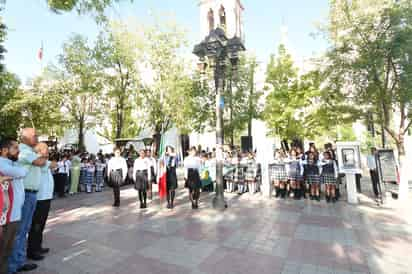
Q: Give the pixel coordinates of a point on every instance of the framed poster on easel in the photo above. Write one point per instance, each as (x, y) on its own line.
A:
(388, 170)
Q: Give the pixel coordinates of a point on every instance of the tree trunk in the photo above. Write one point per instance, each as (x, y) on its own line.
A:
(157, 138)
(232, 130)
(383, 136)
(81, 135)
(251, 92)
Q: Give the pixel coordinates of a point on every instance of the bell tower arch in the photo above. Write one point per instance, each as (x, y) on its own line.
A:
(227, 14)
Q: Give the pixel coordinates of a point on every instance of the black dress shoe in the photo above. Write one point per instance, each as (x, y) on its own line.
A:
(35, 257)
(44, 250)
(27, 267)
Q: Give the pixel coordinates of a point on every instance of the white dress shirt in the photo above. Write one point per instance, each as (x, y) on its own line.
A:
(141, 165)
(116, 163)
(192, 162)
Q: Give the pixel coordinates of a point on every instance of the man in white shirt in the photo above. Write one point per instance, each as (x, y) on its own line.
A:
(371, 161)
(116, 172)
(44, 197)
(9, 152)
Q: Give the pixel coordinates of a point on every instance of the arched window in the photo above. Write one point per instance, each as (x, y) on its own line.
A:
(222, 16)
(211, 20)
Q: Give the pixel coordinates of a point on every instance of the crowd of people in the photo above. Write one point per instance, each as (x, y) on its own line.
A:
(26, 191)
(298, 174)
(30, 177)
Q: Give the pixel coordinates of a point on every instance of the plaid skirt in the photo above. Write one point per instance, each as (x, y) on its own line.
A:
(229, 176)
(328, 179)
(295, 176)
(239, 176)
(99, 178)
(278, 173)
(89, 178)
(312, 179)
(250, 175)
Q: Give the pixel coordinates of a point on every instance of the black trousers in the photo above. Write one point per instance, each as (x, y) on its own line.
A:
(6, 244)
(116, 194)
(60, 183)
(375, 181)
(35, 240)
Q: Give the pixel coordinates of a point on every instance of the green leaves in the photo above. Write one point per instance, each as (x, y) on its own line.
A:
(369, 62)
(287, 110)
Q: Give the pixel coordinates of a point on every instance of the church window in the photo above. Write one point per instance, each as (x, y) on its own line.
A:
(211, 20)
(222, 17)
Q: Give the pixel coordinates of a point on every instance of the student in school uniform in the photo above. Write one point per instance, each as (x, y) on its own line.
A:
(278, 174)
(239, 175)
(100, 168)
(305, 189)
(171, 176)
(329, 175)
(141, 177)
(116, 173)
(229, 175)
(311, 174)
(90, 176)
(192, 165)
(62, 175)
(75, 174)
(251, 172)
(295, 167)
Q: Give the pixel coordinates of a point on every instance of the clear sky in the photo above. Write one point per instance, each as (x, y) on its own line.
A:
(30, 22)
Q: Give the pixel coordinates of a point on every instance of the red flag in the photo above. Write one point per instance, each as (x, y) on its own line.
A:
(40, 53)
(162, 170)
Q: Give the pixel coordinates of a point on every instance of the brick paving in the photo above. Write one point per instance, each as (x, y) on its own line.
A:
(255, 235)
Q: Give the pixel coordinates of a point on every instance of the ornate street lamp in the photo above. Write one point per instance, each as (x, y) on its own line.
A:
(218, 49)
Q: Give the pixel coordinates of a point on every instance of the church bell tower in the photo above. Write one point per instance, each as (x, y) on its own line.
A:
(226, 14)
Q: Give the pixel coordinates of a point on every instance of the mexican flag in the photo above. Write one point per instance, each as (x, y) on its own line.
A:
(162, 169)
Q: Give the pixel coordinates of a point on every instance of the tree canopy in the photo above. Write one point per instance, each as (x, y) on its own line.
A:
(369, 61)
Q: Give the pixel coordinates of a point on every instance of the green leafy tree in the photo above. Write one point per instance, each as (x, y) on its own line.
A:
(78, 79)
(39, 105)
(370, 60)
(290, 100)
(162, 98)
(242, 97)
(10, 117)
(118, 52)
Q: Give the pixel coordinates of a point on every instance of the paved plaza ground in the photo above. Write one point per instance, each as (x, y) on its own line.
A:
(255, 235)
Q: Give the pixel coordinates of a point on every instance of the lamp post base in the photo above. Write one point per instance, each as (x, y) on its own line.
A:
(219, 203)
